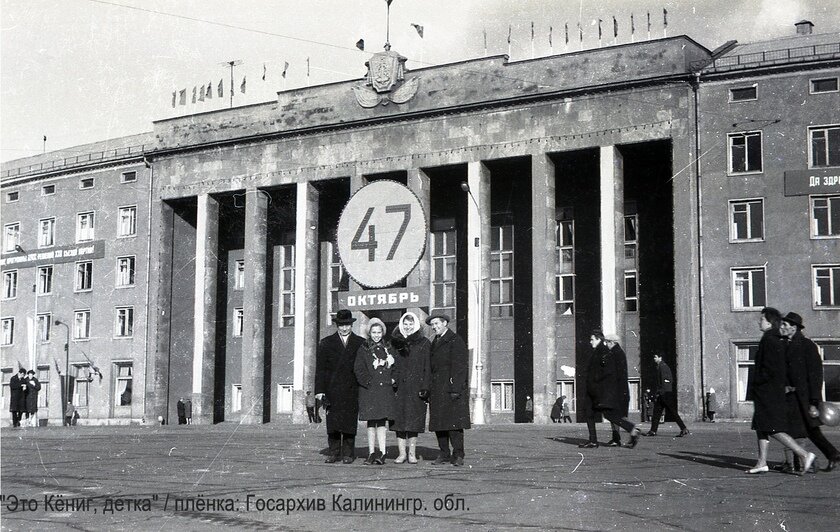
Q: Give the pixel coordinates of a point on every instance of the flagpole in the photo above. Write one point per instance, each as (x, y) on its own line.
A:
(232, 64)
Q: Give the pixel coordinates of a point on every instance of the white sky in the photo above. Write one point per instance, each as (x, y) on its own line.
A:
(81, 71)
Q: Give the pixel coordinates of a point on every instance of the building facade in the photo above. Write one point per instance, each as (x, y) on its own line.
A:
(652, 190)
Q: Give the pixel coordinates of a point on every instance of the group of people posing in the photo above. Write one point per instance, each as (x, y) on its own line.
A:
(389, 382)
(23, 397)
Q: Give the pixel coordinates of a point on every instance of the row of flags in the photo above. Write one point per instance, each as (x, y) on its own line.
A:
(204, 92)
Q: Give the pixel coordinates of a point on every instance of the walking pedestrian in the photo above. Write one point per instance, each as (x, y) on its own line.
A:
(413, 380)
(70, 414)
(181, 407)
(664, 398)
(557, 409)
(374, 368)
(566, 411)
(188, 410)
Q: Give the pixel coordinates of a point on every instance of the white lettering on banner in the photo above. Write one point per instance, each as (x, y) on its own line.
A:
(351, 301)
(827, 180)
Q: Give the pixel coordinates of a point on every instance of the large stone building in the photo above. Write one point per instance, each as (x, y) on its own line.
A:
(657, 190)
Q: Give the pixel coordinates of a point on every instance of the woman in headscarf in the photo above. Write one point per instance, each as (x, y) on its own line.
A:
(374, 369)
(412, 383)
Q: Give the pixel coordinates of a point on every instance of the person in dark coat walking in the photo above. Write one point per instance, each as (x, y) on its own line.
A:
(181, 407)
(766, 389)
(17, 396)
(336, 386)
(374, 368)
(449, 406)
(711, 405)
(33, 386)
(805, 378)
(413, 375)
(664, 398)
(557, 409)
(607, 390)
(188, 410)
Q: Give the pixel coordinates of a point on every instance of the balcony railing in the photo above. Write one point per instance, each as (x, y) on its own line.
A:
(66, 163)
(772, 57)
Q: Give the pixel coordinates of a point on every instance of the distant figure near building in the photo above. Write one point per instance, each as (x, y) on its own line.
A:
(529, 409)
(647, 405)
(188, 410)
(182, 411)
(664, 398)
(33, 386)
(566, 411)
(69, 414)
(17, 396)
(711, 405)
(310, 406)
(557, 410)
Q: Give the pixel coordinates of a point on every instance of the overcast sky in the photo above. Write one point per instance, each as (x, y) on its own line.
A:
(80, 71)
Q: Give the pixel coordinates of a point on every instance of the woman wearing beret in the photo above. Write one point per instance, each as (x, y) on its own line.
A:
(412, 385)
(374, 370)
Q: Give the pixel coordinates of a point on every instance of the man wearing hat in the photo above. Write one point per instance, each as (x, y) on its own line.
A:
(17, 397)
(805, 380)
(449, 397)
(337, 388)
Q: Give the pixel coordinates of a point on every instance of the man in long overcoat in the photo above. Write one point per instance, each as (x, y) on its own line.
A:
(336, 386)
(664, 398)
(449, 394)
(805, 375)
(17, 396)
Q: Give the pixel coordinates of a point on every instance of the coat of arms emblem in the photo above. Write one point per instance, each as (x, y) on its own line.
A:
(385, 81)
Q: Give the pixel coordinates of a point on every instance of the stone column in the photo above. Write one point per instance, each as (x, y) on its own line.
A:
(204, 328)
(543, 224)
(157, 391)
(612, 241)
(306, 296)
(254, 299)
(358, 181)
(418, 182)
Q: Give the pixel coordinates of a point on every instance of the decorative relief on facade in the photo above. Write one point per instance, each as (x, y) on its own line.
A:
(385, 81)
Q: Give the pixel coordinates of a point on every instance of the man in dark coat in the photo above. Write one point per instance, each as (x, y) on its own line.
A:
(17, 396)
(33, 386)
(664, 398)
(449, 397)
(607, 390)
(336, 386)
(805, 376)
(181, 407)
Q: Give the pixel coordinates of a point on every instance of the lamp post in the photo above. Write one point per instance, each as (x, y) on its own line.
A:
(478, 408)
(35, 324)
(66, 396)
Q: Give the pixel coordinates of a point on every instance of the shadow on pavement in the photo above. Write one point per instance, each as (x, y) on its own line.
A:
(569, 441)
(715, 460)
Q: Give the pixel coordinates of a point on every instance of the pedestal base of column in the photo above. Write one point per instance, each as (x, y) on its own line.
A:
(251, 419)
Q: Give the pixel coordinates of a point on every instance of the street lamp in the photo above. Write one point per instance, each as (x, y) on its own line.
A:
(35, 322)
(478, 409)
(66, 396)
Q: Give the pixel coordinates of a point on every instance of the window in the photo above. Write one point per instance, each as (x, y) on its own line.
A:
(122, 383)
(12, 197)
(823, 85)
(287, 286)
(10, 281)
(238, 321)
(501, 396)
(748, 288)
(48, 190)
(84, 226)
(86, 182)
(44, 378)
(8, 331)
(81, 388)
(745, 357)
(444, 279)
(743, 94)
(745, 152)
(125, 272)
(631, 291)
(239, 275)
(46, 232)
(826, 286)
(236, 398)
(124, 322)
(635, 394)
(825, 146)
(564, 276)
(501, 271)
(81, 324)
(44, 327)
(825, 216)
(830, 350)
(45, 280)
(5, 375)
(128, 177)
(338, 281)
(746, 220)
(84, 276)
(127, 221)
(285, 393)
(567, 388)
(631, 237)
(11, 236)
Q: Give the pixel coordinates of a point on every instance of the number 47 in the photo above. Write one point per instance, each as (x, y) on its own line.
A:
(371, 244)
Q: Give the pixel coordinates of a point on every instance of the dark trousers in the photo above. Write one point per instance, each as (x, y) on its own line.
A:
(342, 444)
(817, 437)
(567, 417)
(455, 437)
(16, 417)
(668, 402)
(615, 421)
(310, 411)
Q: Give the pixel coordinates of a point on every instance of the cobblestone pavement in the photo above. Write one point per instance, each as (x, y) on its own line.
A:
(516, 477)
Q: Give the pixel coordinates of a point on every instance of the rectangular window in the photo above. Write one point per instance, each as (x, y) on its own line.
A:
(124, 322)
(11, 236)
(46, 232)
(339, 281)
(825, 146)
(86, 182)
(501, 396)
(236, 398)
(743, 94)
(45, 280)
(631, 236)
(10, 282)
(125, 272)
(8, 332)
(122, 383)
(745, 357)
(635, 386)
(746, 220)
(85, 226)
(81, 324)
(567, 388)
(285, 392)
(830, 350)
(128, 177)
(631, 291)
(48, 190)
(501, 272)
(81, 388)
(444, 272)
(43, 374)
(44, 327)
(127, 221)
(825, 216)
(287, 285)
(748, 288)
(823, 85)
(239, 275)
(238, 322)
(5, 376)
(745, 152)
(564, 274)
(84, 276)
(826, 286)
(12, 197)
